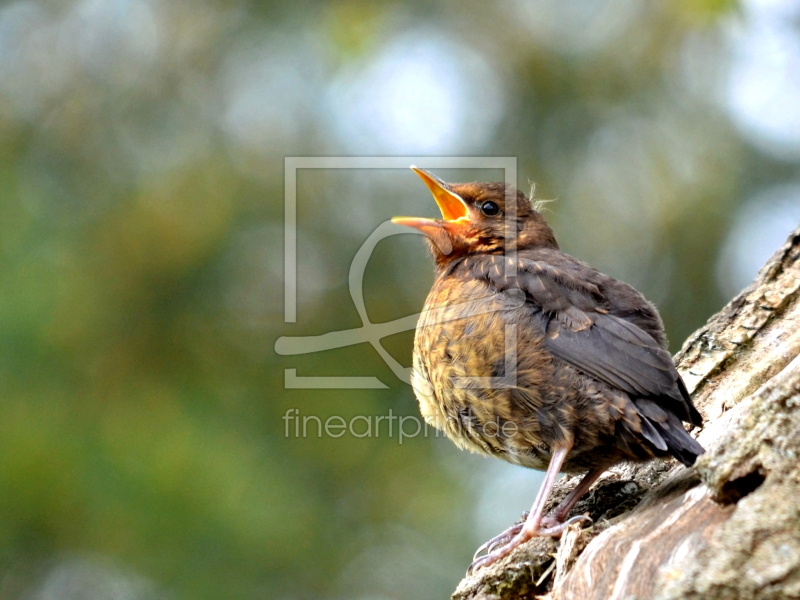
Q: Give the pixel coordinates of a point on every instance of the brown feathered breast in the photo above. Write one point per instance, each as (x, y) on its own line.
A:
(585, 346)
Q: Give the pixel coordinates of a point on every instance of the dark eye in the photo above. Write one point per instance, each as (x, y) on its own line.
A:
(490, 209)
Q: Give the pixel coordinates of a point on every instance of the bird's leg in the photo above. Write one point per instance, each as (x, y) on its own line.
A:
(554, 522)
(531, 526)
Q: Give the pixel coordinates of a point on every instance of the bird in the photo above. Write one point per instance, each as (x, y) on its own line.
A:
(525, 353)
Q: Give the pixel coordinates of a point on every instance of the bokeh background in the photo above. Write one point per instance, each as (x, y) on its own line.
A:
(142, 448)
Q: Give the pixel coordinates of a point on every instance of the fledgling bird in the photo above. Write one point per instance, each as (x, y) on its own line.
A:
(525, 353)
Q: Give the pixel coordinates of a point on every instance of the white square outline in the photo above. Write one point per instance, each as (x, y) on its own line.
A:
(291, 165)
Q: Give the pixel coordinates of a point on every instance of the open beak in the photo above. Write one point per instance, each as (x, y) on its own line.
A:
(451, 204)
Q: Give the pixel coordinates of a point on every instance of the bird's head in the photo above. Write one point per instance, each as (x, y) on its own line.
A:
(479, 218)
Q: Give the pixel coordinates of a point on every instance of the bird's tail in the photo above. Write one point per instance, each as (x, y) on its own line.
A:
(665, 431)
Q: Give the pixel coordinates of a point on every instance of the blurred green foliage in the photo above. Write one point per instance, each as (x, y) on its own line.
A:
(141, 265)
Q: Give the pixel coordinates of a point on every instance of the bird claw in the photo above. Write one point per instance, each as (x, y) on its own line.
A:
(506, 536)
(513, 537)
(495, 553)
(557, 529)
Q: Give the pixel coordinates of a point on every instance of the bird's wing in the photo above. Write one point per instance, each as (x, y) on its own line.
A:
(579, 329)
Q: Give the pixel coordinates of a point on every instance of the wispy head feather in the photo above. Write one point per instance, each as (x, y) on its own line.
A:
(538, 204)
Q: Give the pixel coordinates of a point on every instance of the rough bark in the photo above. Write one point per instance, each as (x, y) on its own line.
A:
(727, 528)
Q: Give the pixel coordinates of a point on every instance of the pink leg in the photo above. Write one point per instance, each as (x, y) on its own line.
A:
(531, 526)
(560, 512)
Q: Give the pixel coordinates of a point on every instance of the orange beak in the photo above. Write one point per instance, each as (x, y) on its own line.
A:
(451, 204)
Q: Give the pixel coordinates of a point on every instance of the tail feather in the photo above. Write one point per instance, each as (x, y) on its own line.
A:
(695, 418)
(679, 443)
(670, 434)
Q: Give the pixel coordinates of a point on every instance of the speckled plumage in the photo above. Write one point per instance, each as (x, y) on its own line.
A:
(552, 400)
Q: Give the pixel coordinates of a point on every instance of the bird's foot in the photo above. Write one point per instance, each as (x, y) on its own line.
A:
(515, 536)
(552, 522)
(554, 528)
(504, 537)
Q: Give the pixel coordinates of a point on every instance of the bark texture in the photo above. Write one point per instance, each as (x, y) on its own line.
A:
(727, 528)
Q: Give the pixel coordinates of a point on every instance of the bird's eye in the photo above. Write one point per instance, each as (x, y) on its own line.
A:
(490, 209)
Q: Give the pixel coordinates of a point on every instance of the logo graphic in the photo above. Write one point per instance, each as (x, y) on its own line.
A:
(370, 332)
